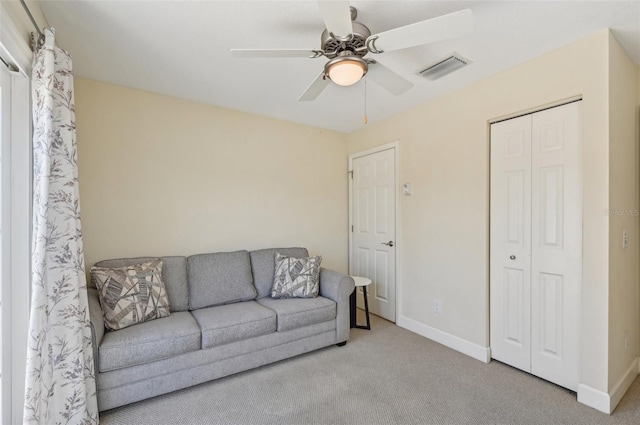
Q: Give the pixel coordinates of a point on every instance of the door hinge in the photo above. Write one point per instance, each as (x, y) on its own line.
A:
(350, 173)
(352, 228)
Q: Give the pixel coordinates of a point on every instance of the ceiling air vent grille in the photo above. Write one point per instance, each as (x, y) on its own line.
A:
(444, 67)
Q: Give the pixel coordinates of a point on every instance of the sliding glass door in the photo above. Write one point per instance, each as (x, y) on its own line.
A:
(5, 110)
(15, 238)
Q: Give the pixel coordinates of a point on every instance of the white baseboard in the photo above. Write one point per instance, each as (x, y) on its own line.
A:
(597, 399)
(471, 349)
(587, 395)
(606, 402)
(624, 383)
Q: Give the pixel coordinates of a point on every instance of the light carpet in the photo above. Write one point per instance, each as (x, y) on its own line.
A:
(384, 376)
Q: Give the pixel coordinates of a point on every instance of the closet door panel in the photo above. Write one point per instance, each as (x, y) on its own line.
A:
(556, 250)
(510, 268)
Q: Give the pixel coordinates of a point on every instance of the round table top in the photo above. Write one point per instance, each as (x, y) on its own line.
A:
(361, 281)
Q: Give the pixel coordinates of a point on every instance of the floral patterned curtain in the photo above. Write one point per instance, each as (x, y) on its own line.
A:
(60, 378)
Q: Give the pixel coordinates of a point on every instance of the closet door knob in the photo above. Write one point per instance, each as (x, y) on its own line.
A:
(512, 257)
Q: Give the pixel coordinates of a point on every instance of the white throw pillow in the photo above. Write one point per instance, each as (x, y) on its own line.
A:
(132, 294)
(296, 277)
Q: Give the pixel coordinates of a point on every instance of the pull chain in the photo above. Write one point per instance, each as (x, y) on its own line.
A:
(365, 120)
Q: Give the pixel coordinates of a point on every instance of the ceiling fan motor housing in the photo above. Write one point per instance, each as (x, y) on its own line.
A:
(356, 43)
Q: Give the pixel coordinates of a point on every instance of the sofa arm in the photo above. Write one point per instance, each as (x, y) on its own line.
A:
(338, 287)
(97, 324)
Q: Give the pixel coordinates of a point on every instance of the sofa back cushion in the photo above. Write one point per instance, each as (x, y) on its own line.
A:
(220, 278)
(263, 265)
(174, 276)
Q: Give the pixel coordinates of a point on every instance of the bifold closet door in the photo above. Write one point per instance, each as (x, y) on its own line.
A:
(536, 243)
(510, 242)
(556, 245)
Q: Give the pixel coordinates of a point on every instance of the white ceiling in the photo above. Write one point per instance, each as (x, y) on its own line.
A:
(181, 48)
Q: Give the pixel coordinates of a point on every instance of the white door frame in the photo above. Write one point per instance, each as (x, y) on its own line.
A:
(395, 145)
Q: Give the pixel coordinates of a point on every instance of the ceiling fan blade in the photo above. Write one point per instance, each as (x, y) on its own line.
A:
(274, 53)
(388, 79)
(337, 17)
(430, 31)
(315, 88)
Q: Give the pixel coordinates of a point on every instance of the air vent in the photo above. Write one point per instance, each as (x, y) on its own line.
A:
(444, 67)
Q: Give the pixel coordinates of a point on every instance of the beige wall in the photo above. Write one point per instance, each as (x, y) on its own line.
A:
(163, 176)
(623, 203)
(444, 223)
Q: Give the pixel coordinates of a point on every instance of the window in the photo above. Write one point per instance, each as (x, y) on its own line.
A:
(15, 209)
(15, 222)
(2, 238)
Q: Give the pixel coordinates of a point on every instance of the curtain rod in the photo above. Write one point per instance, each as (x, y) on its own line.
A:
(9, 66)
(33, 21)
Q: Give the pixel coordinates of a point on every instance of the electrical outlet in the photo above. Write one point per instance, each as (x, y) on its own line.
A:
(437, 306)
(625, 238)
(626, 340)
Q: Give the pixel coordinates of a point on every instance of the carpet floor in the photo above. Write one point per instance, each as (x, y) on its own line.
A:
(384, 376)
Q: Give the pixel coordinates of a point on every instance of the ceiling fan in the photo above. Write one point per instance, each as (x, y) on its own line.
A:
(346, 42)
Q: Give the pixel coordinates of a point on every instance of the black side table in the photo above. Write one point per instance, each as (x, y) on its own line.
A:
(362, 282)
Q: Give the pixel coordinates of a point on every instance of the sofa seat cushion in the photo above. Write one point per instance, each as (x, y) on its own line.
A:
(146, 342)
(228, 323)
(295, 313)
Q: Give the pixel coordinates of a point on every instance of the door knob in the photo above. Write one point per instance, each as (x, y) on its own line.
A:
(390, 243)
(512, 257)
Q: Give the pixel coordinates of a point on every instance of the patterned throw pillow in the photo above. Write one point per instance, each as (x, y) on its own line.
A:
(132, 294)
(296, 277)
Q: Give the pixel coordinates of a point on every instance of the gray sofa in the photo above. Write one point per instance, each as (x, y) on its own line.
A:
(203, 339)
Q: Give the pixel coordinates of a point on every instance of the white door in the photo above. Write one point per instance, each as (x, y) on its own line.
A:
(373, 218)
(536, 243)
(556, 254)
(510, 242)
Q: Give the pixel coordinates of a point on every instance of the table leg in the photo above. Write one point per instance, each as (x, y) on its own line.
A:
(352, 308)
(366, 306)
(354, 324)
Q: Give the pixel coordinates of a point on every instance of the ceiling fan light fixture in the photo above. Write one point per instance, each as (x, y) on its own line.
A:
(346, 70)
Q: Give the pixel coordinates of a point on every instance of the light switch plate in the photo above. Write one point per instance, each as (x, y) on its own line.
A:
(406, 189)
